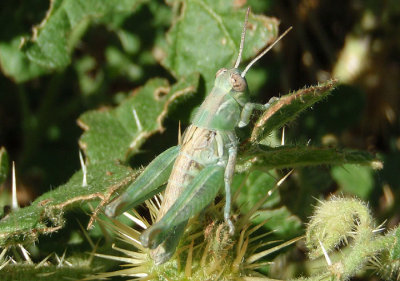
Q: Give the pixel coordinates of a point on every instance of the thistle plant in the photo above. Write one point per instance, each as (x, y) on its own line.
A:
(207, 250)
(343, 231)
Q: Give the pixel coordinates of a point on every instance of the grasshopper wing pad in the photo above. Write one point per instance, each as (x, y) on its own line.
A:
(146, 185)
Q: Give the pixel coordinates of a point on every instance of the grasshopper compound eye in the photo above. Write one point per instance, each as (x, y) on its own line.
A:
(238, 82)
(219, 72)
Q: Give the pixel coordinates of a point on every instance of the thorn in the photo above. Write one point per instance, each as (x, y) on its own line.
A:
(283, 137)
(25, 253)
(3, 253)
(43, 262)
(135, 220)
(58, 259)
(285, 177)
(62, 260)
(179, 134)
(328, 260)
(84, 171)
(5, 264)
(158, 200)
(14, 200)
(85, 233)
(93, 252)
(188, 267)
(137, 120)
(380, 227)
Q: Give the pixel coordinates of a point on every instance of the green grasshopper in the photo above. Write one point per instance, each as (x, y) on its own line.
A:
(196, 169)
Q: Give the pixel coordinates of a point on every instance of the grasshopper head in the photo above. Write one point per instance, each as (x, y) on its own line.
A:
(231, 79)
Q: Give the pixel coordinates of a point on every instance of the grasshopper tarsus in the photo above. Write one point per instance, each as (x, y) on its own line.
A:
(271, 101)
(231, 226)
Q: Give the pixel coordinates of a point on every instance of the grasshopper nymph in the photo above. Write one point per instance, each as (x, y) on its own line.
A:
(196, 169)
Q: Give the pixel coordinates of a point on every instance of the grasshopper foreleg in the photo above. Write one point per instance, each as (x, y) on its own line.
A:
(146, 185)
(249, 108)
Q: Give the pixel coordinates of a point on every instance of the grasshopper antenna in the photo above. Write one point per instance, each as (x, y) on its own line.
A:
(264, 52)
(239, 58)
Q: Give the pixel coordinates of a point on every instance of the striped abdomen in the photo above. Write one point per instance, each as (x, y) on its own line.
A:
(199, 148)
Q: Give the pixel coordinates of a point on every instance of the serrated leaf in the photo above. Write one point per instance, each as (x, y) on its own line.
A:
(45, 214)
(288, 107)
(114, 134)
(265, 157)
(4, 166)
(206, 37)
(50, 46)
(76, 270)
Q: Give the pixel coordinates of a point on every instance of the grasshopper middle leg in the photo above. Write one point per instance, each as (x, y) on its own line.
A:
(229, 170)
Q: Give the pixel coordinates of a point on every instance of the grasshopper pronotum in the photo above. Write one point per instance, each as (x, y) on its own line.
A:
(196, 169)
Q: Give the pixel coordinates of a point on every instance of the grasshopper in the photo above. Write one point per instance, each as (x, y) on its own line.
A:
(196, 169)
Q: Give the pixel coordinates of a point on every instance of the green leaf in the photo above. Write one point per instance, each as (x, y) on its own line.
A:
(89, 83)
(15, 64)
(50, 44)
(358, 180)
(206, 37)
(45, 214)
(3, 164)
(281, 220)
(264, 157)
(288, 107)
(300, 191)
(115, 134)
(120, 64)
(253, 187)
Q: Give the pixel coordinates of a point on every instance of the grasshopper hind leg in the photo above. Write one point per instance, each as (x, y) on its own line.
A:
(163, 252)
(196, 196)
